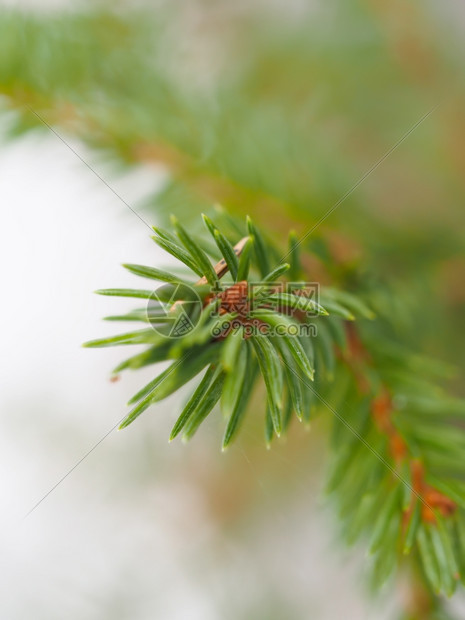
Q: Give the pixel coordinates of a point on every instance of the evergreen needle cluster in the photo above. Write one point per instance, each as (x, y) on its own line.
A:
(397, 468)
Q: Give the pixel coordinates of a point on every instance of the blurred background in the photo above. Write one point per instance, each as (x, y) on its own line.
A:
(273, 108)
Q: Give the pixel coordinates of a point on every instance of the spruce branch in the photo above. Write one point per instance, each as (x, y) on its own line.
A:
(397, 469)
